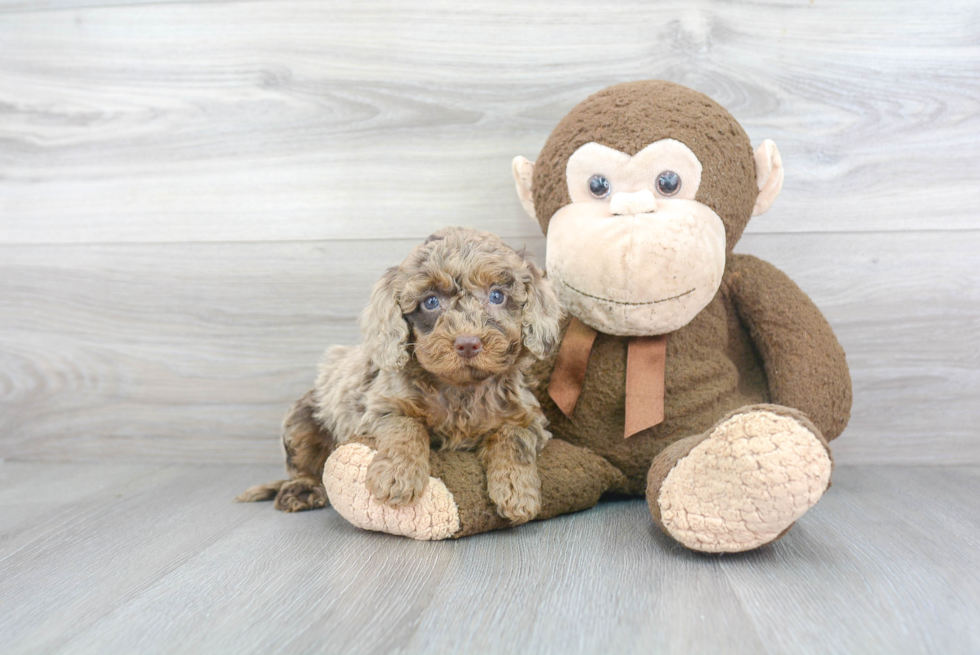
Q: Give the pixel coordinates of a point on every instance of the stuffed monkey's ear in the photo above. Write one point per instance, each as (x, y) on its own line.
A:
(523, 173)
(383, 327)
(542, 314)
(768, 176)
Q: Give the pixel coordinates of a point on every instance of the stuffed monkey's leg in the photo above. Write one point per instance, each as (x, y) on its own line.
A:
(455, 503)
(306, 445)
(743, 483)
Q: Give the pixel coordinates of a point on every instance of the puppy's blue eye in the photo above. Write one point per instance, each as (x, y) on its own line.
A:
(598, 186)
(496, 296)
(432, 302)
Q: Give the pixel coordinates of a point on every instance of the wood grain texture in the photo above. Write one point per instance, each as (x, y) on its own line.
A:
(29, 495)
(94, 556)
(903, 522)
(187, 353)
(196, 197)
(290, 119)
(886, 562)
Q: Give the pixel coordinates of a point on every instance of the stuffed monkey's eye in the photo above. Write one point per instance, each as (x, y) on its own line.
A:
(598, 186)
(668, 183)
(430, 303)
(497, 296)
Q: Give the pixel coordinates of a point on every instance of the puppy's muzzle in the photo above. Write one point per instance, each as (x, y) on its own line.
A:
(468, 346)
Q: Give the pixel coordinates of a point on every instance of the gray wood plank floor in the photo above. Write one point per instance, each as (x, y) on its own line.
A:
(119, 558)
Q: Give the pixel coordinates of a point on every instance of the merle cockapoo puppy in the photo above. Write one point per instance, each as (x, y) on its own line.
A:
(449, 338)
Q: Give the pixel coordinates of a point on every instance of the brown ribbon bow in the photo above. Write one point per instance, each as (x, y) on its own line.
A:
(646, 361)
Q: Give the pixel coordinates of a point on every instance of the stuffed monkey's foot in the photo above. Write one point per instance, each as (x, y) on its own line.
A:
(434, 515)
(743, 483)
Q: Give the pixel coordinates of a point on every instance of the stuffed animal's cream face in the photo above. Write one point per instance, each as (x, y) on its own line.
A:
(634, 253)
(641, 197)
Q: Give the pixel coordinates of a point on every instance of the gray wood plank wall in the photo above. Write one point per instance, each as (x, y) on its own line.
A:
(196, 197)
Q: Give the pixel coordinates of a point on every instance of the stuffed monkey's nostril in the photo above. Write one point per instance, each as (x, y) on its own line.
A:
(468, 346)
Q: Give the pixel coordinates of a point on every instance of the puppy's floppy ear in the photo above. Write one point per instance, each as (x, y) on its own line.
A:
(542, 313)
(384, 328)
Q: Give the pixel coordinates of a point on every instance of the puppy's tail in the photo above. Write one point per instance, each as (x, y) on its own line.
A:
(259, 492)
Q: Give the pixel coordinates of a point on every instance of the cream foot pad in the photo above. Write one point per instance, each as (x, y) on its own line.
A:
(435, 516)
(745, 484)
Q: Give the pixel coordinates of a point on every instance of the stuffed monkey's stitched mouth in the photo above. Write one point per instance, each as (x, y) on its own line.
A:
(620, 302)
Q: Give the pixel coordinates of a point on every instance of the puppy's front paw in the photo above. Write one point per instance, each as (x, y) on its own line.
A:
(397, 481)
(516, 491)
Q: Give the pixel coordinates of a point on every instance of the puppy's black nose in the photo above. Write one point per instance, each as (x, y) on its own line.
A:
(468, 346)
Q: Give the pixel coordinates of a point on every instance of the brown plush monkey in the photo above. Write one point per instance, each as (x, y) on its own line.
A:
(704, 380)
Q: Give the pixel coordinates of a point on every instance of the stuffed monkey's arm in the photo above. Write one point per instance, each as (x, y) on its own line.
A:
(803, 360)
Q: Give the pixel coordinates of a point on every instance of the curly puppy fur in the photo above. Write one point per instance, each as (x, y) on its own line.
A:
(449, 338)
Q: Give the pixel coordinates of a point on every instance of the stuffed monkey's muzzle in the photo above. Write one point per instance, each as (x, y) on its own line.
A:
(636, 274)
